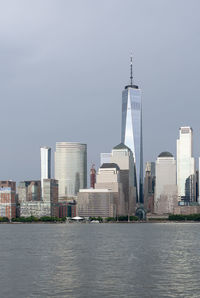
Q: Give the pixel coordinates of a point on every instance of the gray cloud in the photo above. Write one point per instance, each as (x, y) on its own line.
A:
(65, 63)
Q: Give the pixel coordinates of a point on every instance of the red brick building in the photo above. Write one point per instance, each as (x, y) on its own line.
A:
(8, 199)
(67, 208)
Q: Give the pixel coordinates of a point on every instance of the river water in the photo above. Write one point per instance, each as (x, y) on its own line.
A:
(100, 260)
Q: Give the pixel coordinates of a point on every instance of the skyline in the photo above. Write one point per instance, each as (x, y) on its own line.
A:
(55, 58)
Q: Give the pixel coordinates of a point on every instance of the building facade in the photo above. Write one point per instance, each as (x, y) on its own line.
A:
(8, 199)
(92, 176)
(70, 168)
(165, 199)
(29, 191)
(131, 131)
(47, 206)
(149, 185)
(108, 177)
(185, 160)
(123, 157)
(45, 156)
(50, 191)
(190, 188)
(95, 203)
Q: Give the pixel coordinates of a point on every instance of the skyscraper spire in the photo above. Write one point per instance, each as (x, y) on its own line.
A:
(131, 68)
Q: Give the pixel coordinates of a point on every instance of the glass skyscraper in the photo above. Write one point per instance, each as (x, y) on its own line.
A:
(70, 168)
(131, 133)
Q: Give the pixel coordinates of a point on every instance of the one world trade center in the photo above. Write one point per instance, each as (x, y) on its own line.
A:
(131, 133)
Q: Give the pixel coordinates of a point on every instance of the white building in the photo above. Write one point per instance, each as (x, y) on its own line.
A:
(70, 168)
(166, 190)
(185, 161)
(45, 157)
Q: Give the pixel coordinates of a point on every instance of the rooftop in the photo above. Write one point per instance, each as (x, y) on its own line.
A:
(109, 166)
(131, 86)
(121, 146)
(165, 154)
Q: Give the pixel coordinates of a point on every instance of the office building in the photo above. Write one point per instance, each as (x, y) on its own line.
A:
(123, 157)
(118, 178)
(8, 199)
(45, 156)
(70, 168)
(108, 177)
(29, 191)
(185, 160)
(30, 200)
(131, 132)
(50, 191)
(150, 167)
(96, 202)
(190, 189)
(166, 189)
(149, 184)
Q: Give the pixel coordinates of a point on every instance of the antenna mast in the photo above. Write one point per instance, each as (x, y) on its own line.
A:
(131, 68)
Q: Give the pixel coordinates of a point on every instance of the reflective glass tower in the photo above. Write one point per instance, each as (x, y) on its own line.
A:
(70, 168)
(131, 133)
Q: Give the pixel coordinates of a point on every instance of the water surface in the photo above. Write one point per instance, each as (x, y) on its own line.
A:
(100, 260)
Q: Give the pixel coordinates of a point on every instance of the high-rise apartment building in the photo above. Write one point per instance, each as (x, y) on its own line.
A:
(165, 198)
(70, 168)
(45, 155)
(185, 161)
(131, 133)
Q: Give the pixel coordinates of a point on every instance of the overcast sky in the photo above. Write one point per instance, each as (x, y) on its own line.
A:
(64, 64)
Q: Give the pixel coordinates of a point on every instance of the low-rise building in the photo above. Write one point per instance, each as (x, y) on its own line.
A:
(67, 207)
(96, 202)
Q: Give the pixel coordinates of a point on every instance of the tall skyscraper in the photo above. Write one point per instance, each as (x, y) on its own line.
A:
(131, 132)
(165, 198)
(45, 156)
(185, 161)
(70, 168)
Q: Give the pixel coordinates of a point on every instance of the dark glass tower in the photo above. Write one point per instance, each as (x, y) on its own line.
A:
(131, 134)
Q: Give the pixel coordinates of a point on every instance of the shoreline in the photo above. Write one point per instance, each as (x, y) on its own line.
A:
(119, 222)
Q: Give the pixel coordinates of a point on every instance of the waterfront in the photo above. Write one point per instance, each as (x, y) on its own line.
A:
(103, 260)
